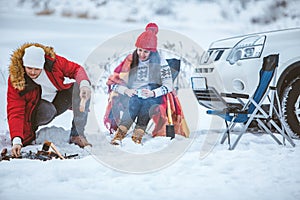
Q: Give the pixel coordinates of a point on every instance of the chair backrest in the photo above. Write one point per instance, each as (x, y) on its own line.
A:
(265, 76)
(175, 67)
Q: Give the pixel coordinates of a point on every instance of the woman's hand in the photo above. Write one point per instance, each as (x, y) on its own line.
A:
(146, 93)
(130, 92)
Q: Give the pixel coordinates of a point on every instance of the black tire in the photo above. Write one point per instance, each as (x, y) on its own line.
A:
(289, 101)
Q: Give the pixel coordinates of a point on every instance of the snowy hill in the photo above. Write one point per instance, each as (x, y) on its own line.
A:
(194, 168)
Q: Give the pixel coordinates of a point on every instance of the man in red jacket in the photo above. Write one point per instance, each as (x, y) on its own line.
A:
(37, 93)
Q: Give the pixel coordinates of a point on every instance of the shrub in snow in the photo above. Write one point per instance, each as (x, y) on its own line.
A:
(260, 12)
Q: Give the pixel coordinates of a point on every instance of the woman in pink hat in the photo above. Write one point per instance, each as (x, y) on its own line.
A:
(137, 87)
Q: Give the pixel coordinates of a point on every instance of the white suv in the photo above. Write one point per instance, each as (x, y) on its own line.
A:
(232, 66)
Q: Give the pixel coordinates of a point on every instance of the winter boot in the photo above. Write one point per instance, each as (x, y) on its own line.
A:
(120, 135)
(79, 140)
(137, 135)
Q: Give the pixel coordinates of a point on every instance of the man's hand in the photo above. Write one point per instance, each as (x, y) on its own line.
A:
(130, 92)
(16, 150)
(85, 92)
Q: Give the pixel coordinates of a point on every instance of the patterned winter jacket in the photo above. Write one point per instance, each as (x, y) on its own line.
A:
(23, 93)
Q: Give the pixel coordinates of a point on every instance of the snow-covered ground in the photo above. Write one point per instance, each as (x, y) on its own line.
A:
(194, 168)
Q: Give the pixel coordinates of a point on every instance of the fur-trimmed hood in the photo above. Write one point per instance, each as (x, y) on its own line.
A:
(16, 68)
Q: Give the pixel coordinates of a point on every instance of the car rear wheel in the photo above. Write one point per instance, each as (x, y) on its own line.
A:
(291, 107)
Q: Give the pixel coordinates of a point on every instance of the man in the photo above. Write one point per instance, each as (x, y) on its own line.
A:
(37, 93)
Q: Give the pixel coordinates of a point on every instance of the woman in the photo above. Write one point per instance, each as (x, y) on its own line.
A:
(142, 78)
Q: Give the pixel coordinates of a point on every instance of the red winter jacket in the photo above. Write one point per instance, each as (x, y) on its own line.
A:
(23, 94)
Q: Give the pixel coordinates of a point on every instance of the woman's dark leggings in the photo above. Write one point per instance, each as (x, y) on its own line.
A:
(141, 110)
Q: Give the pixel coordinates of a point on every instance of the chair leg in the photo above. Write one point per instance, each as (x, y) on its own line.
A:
(243, 131)
(237, 140)
(266, 129)
(279, 114)
(228, 134)
(225, 134)
(283, 132)
(287, 136)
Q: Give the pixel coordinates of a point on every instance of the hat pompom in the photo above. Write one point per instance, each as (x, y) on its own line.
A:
(152, 27)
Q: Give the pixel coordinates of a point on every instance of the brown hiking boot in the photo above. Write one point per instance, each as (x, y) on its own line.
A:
(137, 136)
(80, 141)
(119, 136)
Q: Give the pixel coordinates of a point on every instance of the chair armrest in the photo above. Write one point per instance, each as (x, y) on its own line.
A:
(235, 95)
(215, 112)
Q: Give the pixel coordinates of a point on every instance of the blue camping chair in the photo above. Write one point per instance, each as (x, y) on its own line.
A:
(245, 112)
